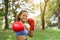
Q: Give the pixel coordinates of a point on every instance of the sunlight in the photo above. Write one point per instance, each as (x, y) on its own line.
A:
(42, 1)
(36, 1)
(30, 3)
(37, 11)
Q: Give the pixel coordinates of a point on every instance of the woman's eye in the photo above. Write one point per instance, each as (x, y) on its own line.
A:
(24, 15)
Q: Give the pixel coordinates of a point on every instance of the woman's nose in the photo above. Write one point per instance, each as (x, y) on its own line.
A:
(25, 17)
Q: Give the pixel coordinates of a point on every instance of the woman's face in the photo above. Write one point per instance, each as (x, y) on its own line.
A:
(23, 16)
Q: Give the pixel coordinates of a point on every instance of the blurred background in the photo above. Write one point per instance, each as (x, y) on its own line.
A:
(46, 13)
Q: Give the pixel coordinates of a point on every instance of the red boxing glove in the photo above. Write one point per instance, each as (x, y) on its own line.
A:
(17, 26)
(31, 23)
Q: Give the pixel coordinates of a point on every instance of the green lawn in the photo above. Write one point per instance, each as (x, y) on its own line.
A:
(47, 34)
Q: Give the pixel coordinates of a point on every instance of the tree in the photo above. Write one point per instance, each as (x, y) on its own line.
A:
(58, 13)
(6, 13)
(43, 13)
(54, 8)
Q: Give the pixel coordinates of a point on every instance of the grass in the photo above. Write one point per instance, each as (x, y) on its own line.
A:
(7, 35)
(48, 34)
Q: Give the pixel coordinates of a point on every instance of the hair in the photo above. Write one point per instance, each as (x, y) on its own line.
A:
(18, 18)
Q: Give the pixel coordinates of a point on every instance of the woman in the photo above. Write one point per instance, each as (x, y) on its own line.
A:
(21, 35)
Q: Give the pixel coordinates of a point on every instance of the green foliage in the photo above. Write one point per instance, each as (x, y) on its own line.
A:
(51, 7)
(1, 16)
(26, 1)
(1, 12)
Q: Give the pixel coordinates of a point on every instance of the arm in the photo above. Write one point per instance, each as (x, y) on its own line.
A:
(31, 23)
(31, 33)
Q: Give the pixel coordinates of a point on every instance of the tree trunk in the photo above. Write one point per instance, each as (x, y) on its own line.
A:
(43, 20)
(42, 17)
(6, 12)
(58, 22)
(43, 14)
(58, 14)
